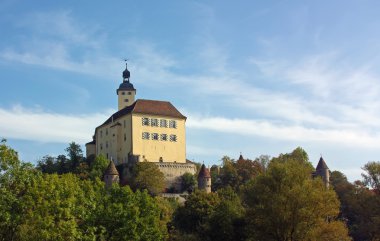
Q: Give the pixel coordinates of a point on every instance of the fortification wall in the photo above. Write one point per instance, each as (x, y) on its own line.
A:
(173, 172)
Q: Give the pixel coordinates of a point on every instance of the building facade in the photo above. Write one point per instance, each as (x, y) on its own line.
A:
(143, 130)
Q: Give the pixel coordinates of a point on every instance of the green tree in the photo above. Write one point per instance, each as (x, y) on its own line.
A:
(147, 175)
(228, 174)
(372, 175)
(75, 154)
(191, 217)
(56, 207)
(98, 167)
(15, 179)
(188, 182)
(124, 215)
(285, 203)
(226, 221)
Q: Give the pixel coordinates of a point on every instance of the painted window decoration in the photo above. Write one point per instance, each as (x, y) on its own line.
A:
(164, 137)
(155, 136)
(154, 122)
(163, 123)
(173, 138)
(172, 124)
(145, 135)
(145, 121)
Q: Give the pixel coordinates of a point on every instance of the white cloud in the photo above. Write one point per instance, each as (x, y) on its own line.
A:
(36, 125)
(275, 130)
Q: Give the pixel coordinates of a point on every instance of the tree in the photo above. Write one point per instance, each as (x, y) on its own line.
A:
(147, 175)
(98, 167)
(188, 182)
(372, 175)
(228, 174)
(285, 203)
(15, 179)
(226, 221)
(55, 207)
(125, 215)
(191, 217)
(75, 154)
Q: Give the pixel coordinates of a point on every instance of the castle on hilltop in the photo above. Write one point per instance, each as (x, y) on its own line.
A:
(142, 130)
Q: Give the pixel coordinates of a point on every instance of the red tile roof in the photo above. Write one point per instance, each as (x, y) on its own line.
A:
(204, 172)
(150, 107)
(155, 107)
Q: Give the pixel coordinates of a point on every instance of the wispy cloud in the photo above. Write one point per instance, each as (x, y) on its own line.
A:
(298, 133)
(37, 125)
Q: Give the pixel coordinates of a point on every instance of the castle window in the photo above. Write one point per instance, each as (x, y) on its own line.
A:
(107, 155)
(129, 93)
(173, 138)
(125, 137)
(123, 93)
(172, 124)
(106, 131)
(163, 123)
(145, 135)
(101, 146)
(155, 136)
(145, 121)
(154, 122)
(126, 100)
(106, 144)
(164, 137)
(101, 133)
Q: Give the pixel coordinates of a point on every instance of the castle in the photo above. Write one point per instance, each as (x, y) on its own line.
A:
(143, 130)
(152, 131)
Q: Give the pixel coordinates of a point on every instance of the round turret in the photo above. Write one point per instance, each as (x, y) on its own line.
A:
(111, 175)
(204, 179)
(323, 171)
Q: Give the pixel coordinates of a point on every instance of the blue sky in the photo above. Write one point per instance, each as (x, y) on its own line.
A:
(257, 77)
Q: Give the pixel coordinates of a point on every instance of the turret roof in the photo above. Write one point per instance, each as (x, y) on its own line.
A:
(111, 169)
(321, 164)
(204, 172)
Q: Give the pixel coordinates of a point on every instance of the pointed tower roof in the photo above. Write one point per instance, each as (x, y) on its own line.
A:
(321, 164)
(241, 157)
(111, 169)
(204, 172)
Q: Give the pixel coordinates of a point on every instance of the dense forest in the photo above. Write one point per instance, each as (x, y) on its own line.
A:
(64, 198)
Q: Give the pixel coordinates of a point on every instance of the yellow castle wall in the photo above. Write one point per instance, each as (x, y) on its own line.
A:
(152, 150)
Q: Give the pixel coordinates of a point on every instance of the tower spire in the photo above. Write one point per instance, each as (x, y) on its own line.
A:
(126, 73)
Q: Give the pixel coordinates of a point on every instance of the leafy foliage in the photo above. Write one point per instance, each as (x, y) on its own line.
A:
(188, 182)
(147, 175)
(285, 203)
